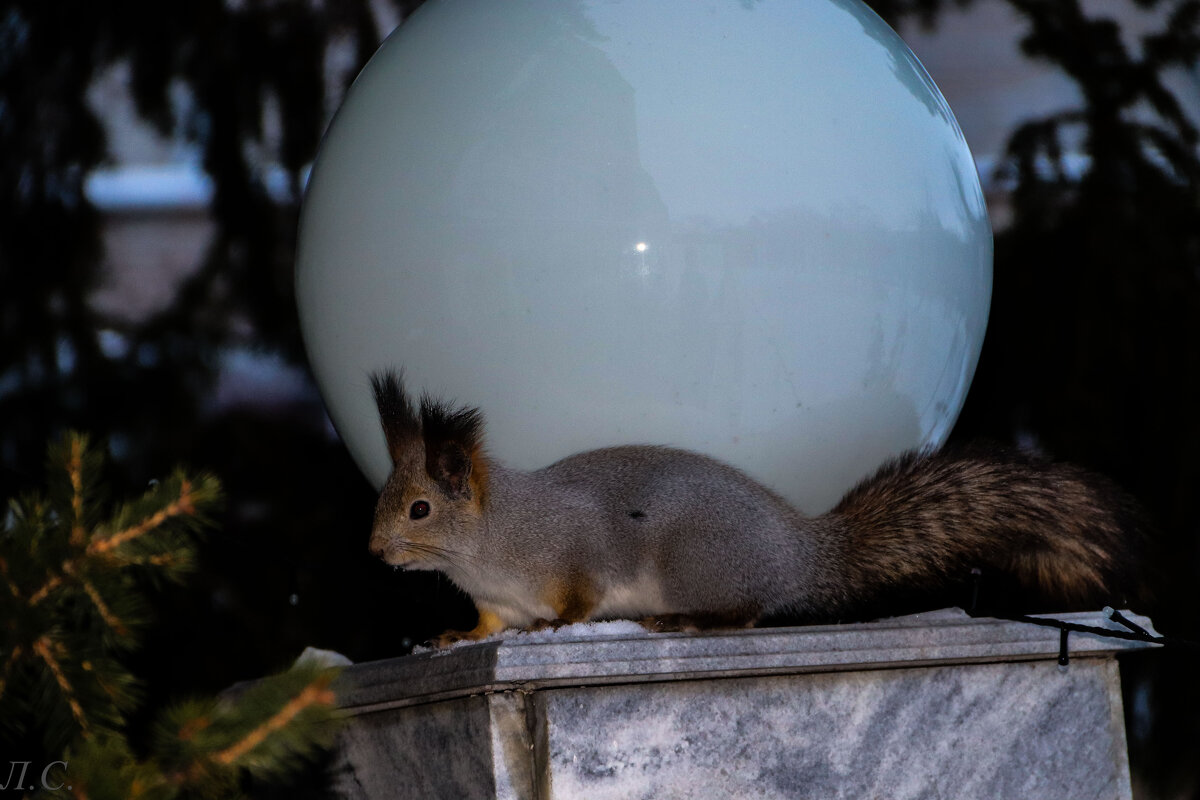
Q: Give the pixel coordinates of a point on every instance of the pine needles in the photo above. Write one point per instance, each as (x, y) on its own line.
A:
(73, 580)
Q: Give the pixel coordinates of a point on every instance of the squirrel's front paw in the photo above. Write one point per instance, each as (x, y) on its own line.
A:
(489, 623)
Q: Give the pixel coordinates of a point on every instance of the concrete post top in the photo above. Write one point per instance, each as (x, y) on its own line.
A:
(623, 652)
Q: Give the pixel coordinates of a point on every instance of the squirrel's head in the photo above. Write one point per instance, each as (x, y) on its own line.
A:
(432, 504)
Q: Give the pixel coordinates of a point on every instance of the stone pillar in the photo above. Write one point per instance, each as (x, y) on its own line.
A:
(933, 705)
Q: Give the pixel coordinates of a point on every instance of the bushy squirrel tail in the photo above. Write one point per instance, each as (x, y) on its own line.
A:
(1068, 538)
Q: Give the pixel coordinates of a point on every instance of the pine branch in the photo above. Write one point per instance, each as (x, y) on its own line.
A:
(69, 600)
(42, 647)
(313, 696)
(8, 582)
(13, 655)
(110, 619)
(203, 746)
(184, 505)
(48, 587)
(270, 726)
(69, 604)
(75, 473)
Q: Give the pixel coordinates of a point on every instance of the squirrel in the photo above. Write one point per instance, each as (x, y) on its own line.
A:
(678, 540)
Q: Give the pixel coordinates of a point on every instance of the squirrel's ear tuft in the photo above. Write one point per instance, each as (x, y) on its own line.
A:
(453, 443)
(401, 426)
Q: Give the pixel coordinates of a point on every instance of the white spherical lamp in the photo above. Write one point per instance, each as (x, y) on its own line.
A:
(751, 229)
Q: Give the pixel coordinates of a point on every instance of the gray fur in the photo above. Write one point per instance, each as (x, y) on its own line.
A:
(641, 531)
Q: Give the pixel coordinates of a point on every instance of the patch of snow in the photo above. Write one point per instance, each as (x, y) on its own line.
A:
(579, 631)
(323, 658)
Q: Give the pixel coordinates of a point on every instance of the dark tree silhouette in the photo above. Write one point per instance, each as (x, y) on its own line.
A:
(1093, 345)
(285, 566)
(1091, 352)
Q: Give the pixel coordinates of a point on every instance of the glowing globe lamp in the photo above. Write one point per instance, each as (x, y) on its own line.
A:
(751, 229)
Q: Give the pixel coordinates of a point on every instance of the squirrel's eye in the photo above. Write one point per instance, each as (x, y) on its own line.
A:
(418, 509)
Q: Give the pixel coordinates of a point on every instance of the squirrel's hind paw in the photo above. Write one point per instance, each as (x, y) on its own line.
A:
(541, 624)
(700, 621)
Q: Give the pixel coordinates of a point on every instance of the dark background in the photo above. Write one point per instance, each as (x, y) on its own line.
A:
(1091, 353)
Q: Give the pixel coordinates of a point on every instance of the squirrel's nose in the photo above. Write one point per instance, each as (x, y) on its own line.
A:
(377, 548)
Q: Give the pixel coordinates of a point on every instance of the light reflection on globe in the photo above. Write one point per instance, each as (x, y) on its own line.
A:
(751, 229)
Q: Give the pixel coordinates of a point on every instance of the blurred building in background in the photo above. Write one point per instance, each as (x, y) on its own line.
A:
(155, 195)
